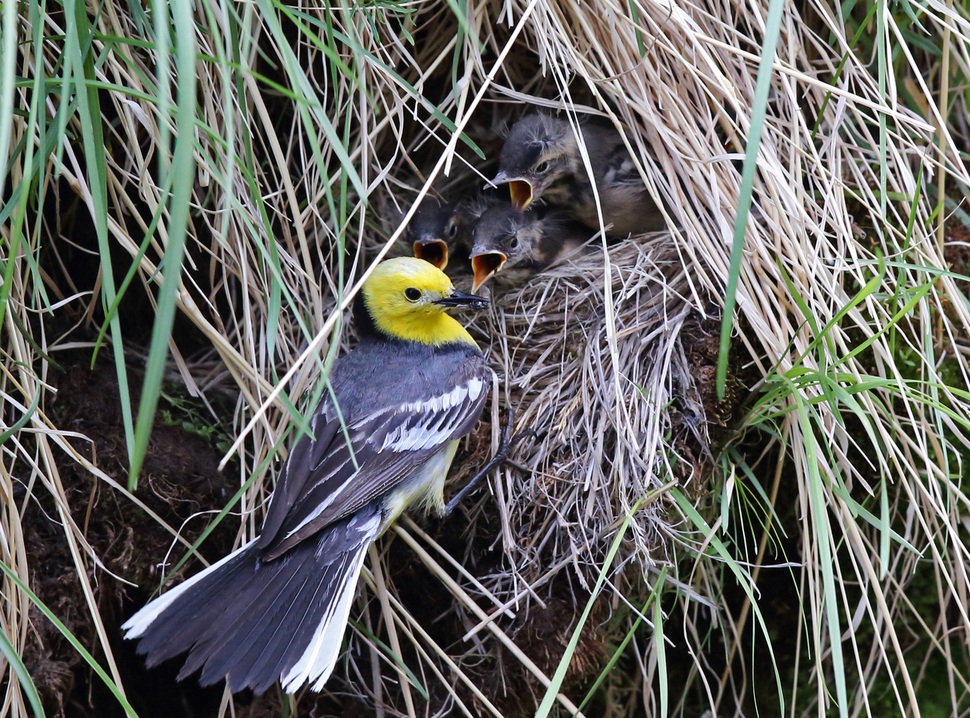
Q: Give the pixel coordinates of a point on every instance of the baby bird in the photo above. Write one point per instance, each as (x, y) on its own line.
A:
(541, 159)
(438, 231)
(520, 244)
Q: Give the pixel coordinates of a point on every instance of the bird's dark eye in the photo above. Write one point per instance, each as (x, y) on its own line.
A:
(541, 167)
(452, 229)
(412, 294)
(514, 242)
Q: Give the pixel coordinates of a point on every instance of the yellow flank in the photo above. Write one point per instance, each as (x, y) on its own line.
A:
(400, 296)
(425, 489)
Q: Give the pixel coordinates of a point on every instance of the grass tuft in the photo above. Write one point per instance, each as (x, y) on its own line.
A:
(747, 490)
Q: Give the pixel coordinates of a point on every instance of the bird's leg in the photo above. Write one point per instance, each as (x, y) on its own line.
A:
(505, 446)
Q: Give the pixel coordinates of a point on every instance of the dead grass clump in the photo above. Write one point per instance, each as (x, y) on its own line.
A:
(610, 398)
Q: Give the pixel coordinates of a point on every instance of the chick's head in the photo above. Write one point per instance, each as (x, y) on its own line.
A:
(434, 230)
(504, 237)
(539, 152)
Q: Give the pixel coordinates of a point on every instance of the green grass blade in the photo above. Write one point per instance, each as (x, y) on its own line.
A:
(661, 648)
(80, 67)
(71, 638)
(758, 110)
(555, 684)
(741, 576)
(180, 180)
(8, 72)
(23, 676)
(653, 598)
(818, 507)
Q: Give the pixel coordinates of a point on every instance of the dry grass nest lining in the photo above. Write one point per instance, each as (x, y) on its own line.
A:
(611, 409)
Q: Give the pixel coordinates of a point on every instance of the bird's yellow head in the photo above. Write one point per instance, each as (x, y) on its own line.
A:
(406, 298)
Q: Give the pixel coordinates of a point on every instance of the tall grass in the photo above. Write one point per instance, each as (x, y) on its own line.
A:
(769, 400)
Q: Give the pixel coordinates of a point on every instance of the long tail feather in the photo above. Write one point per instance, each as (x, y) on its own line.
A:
(255, 622)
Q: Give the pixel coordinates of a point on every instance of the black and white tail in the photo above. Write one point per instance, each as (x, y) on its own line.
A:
(255, 622)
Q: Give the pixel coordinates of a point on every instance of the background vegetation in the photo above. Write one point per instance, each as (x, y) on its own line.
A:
(747, 492)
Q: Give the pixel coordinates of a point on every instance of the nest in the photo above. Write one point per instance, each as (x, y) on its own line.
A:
(612, 399)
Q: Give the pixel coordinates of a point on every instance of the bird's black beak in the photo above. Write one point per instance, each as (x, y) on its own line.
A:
(434, 251)
(460, 299)
(485, 265)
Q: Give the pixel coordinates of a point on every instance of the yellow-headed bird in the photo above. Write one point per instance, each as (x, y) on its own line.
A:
(276, 609)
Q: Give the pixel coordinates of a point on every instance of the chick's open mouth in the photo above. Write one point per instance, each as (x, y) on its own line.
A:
(434, 251)
(485, 265)
(521, 193)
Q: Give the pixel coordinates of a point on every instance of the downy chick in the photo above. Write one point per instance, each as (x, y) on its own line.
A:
(439, 230)
(541, 159)
(520, 244)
